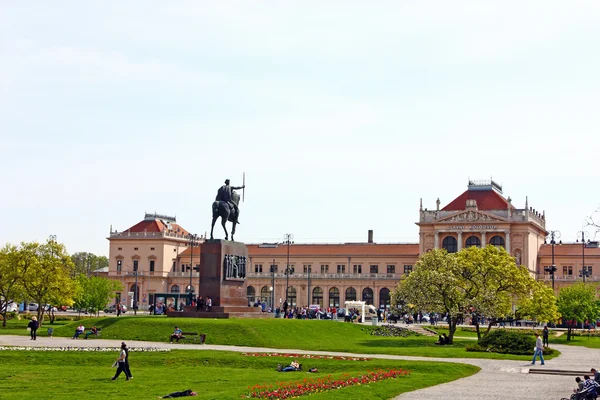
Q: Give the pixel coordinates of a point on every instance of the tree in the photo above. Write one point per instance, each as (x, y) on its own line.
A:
(84, 263)
(491, 281)
(46, 274)
(577, 303)
(10, 278)
(540, 305)
(96, 292)
(434, 285)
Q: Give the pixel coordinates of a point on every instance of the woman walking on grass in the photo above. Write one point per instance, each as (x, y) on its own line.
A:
(122, 363)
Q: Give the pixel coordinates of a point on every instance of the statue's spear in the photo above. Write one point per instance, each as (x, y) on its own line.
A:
(244, 186)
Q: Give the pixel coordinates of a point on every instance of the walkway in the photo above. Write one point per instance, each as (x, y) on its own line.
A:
(497, 380)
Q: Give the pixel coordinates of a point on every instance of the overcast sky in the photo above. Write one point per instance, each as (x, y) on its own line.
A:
(342, 113)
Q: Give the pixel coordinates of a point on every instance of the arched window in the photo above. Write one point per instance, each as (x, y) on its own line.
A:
(265, 295)
(189, 288)
(292, 296)
(317, 296)
(136, 294)
(350, 294)
(473, 241)
(175, 289)
(334, 297)
(497, 241)
(367, 296)
(384, 298)
(251, 294)
(449, 243)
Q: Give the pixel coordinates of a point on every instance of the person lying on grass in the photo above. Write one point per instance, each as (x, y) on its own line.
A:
(294, 366)
(185, 393)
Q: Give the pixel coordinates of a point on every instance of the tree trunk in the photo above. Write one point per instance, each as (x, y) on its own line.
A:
(493, 321)
(4, 318)
(452, 321)
(477, 327)
(568, 332)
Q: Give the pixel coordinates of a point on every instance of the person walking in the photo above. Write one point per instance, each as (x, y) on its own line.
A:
(545, 334)
(539, 349)
(33, 326)
(127, 370)
(121, 363)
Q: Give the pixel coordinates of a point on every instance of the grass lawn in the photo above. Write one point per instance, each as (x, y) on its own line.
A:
(214, 375)
(274, 333)
(585, 341)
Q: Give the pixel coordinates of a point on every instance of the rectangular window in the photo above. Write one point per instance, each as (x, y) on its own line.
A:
(324, 269)
(120, 248)
(135, 265)
(407, 269)
(306, 268)
(151, 265)
(588, 269)
(183, 267)
(341, 269)
(258, 268)
(135, 248)
(119, 265)
(567, 270)
(357, 269)
(197, 268)
(151, 248)
(273, 268)
(174, 266)
(391, 269)
(374, 269)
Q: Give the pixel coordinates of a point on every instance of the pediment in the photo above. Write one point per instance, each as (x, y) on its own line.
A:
(472, 216)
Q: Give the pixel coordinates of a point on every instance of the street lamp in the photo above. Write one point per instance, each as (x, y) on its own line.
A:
(308, 286)
(135, 294)
(583, 272)
(193, 242)
(552, 269)
(288, 239)
(273, 286)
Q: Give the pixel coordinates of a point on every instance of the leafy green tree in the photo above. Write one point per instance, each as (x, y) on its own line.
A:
(96, 293)
(434, 285)
(577, 303)
(491, 281)
(10, 278)
(46, 274)
(540, 305)
(84, 263)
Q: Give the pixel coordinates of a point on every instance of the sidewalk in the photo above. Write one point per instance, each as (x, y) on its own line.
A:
(497, 380)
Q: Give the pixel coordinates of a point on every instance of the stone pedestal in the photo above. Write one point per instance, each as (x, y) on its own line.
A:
(223, 277)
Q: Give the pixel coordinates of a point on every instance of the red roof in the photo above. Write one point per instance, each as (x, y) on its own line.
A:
(486, 200)
(568, 249)
(157, 225)
(339, 249)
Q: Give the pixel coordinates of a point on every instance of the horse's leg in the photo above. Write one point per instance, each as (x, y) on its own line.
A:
(212, 227)
(233, 232)
(223, 220)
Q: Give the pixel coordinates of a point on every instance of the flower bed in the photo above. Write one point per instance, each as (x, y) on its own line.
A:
(285, 390)
(392, 331)
(292, 355)
(71, 348)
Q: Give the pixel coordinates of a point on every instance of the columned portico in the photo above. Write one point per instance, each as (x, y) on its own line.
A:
(507, 241)
(483, 240)
(460, 241)
(436, 240)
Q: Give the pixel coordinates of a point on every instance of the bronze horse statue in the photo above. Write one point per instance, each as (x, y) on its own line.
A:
(227, 213)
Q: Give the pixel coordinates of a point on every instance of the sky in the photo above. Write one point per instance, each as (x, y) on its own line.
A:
(341, 114)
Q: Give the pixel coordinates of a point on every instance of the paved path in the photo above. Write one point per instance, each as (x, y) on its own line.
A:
(498, 379)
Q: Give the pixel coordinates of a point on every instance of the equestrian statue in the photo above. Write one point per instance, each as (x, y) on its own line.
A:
(226, 206)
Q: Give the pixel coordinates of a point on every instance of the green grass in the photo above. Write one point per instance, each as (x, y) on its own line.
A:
(214, 375)
(584, 341)
(273, 333)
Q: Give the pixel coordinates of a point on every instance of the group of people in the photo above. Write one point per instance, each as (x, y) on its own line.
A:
(123, 363)
(80, 329)
(203, 305)
(588, 387)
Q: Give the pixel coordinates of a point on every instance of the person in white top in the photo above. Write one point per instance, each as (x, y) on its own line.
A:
(539, 349)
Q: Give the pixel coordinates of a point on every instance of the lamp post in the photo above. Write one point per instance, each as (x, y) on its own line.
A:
(288, 239)
(135, 294)
(552, 269)
(193, 241)
(273, 286)
(308, 285)
(583, 272)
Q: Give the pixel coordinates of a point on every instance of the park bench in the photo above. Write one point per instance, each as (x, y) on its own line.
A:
(193, 336)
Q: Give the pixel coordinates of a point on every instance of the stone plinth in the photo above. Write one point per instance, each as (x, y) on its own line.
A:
(223, 278)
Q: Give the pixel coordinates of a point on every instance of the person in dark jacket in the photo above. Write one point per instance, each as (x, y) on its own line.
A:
(180, 394)
(33, 325)
(127, 370)
(121, 363)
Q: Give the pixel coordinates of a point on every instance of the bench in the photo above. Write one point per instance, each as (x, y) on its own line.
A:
(193, 336)
(87, 333)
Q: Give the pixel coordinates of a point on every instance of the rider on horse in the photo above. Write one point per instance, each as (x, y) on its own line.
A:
(225, 194)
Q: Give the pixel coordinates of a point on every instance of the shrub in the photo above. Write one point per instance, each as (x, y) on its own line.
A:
(503, 341)
(389, 330)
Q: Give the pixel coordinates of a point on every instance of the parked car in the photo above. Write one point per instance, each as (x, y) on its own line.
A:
(32, 306)
(11, 307)
(49, 308)
(62, 308)
(113, 308)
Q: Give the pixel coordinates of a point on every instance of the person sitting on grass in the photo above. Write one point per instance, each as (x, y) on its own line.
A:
(93, 331)
(180, 394)
(80, 329)
(294, 366)
(176, 335)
